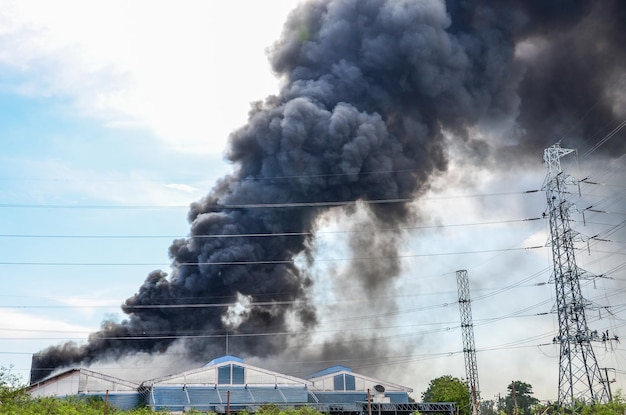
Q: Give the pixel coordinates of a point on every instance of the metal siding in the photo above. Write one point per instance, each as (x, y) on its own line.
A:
(123, 401)
(238, 395)
(62, 386)
(398, 397)
(90, 383)
(203, 396)
(340, 397)
(266, 395)
(169, 398)
(294, 394)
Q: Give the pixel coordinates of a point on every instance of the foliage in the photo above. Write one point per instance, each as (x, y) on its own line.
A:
(195, 411)
(11, 388)
(440, 390)
(616, 407)
(276, 410)
(488, 407)
(449, 389)
(51, 406)
(96, 406)
(14, 400)
(520, 394)
(27, 405)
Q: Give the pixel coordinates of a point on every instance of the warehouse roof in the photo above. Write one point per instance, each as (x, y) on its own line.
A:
(80, 380)
(228, 370)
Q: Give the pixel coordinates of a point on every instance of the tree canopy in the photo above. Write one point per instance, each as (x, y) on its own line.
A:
(11, 387)
(449, 389)
(520, 395)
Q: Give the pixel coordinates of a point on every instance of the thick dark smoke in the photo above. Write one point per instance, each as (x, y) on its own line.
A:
(374, 93)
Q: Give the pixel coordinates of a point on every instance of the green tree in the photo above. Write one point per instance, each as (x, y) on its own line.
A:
(488, 407)
(11, 388)
(520, 395)
(449, 389)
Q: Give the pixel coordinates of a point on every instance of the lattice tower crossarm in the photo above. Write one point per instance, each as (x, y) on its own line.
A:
(469, 349)
(580, 378)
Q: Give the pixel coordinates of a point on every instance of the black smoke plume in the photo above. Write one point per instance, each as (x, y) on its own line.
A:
(375, 92)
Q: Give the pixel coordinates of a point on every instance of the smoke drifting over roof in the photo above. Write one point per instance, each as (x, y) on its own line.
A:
(374, 92)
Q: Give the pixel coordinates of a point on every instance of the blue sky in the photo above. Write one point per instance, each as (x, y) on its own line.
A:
(113, 120)
(103, 106)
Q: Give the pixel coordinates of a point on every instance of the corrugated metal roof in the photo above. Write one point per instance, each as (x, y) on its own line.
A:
(85, 372)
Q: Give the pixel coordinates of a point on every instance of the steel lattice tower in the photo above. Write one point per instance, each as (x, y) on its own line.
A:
(469, 350)
(580, 378)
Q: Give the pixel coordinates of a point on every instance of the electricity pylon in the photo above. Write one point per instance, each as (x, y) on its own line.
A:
(580, 378)
(469, 349)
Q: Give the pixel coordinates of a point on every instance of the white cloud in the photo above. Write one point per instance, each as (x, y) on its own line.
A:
(187, 70)
(89, 186)
(182, 187)
(17, 324)
(89, 306)
(25, 333)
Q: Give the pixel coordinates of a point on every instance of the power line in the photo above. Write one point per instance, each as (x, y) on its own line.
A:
(259, 205)
(604, 139)
(270, 262)
(273, 295)
(261, 235)
(270, 303)
(198, 334)
(256, 178)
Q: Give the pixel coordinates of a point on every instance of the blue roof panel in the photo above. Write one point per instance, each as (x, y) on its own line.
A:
(328, 371)
(224, 359)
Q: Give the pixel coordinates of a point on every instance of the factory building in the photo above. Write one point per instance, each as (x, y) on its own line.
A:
(223, 385)
(228, 385)
(85, 383)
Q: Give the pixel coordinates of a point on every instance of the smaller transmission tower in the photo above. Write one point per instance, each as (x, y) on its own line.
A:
(469, 349)
(579, 375)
